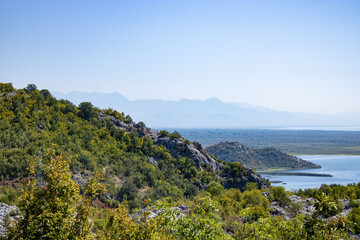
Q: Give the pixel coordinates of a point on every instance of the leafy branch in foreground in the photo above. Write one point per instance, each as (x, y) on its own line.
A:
(197, 226)
(55, 209)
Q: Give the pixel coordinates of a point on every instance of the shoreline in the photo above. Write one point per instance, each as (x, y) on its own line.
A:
(324, 154)
(302, 174)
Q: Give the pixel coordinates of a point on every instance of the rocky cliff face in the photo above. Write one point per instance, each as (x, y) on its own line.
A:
(7, 215)
(176, 146)
(180, 147)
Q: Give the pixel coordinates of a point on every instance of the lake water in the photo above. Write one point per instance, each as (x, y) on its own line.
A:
(344, 169)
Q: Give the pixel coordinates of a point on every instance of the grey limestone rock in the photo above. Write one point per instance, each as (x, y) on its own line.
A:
(7, 213)
(182, 208)
(152, 161)
(11, 94)
(176, 147)
(306, 207)
(107, 196)
(179, 147)
(180, 211)
(265, 194)
(277, 210)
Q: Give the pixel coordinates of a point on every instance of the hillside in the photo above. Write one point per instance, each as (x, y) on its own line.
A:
(137, 162)
(260, 159)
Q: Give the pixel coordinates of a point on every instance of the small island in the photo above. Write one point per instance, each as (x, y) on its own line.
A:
(262, 159)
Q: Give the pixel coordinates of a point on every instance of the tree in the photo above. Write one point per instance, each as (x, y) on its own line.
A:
(198, 226)
(86, 110)
(6, 88)
(30, 88)
(120, 226)
(279, 195)
(214, 188)
(55, 209)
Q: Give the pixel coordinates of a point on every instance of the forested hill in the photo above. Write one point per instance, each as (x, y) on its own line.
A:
(137, 162)
(260, 159)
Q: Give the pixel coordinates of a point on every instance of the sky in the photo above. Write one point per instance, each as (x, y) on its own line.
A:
(297, 56)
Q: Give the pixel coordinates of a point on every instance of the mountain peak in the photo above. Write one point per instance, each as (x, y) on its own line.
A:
(213, 99)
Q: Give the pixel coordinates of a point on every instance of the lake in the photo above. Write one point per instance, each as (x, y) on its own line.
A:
(344, 169)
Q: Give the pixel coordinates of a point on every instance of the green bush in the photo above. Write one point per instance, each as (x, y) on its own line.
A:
(215, 188)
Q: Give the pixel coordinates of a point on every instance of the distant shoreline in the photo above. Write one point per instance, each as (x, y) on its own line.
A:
(296, 174)
(294, 142)
(323, 154)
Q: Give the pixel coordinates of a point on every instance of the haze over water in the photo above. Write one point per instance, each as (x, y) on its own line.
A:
(344, 169)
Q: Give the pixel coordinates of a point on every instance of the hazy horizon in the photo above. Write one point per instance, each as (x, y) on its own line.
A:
(244, 104)
(294, 56)
(209, 113)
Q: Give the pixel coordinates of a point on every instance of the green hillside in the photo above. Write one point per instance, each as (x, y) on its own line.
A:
(137, 162)
(260, 159)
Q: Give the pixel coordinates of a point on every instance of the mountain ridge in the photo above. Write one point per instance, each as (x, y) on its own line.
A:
(209, 113)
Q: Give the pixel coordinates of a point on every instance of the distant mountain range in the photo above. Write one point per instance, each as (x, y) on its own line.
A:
(210, 113)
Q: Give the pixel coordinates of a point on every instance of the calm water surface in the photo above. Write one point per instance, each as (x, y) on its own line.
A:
(344, 169)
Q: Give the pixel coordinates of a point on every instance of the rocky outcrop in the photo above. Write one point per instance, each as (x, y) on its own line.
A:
(298, 205)
(180, 147)
(180, 211)
(80, 179)
(176, 146)
(7, 215)
(254, 177)
(239, 177)
(304, 206)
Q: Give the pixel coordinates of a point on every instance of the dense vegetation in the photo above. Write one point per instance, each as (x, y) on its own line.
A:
(296, 142)
(134, 167)
(260, 159)
(95, 173)
(56, 209)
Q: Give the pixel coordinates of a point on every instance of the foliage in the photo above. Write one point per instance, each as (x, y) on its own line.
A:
(251, 186)
(175, 135)
(316, 228)
(55, 209)
(86, 110)
(120, 226)
(260, 159)
(325, 205)
(198, 226)
(6, 88)
(270, 229)
(8, 195)
(164, 133)
(234, 173)
(354, 218)
(214, 188)
(279, 195)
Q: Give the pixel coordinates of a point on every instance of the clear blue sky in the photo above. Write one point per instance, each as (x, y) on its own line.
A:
(288, 55)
